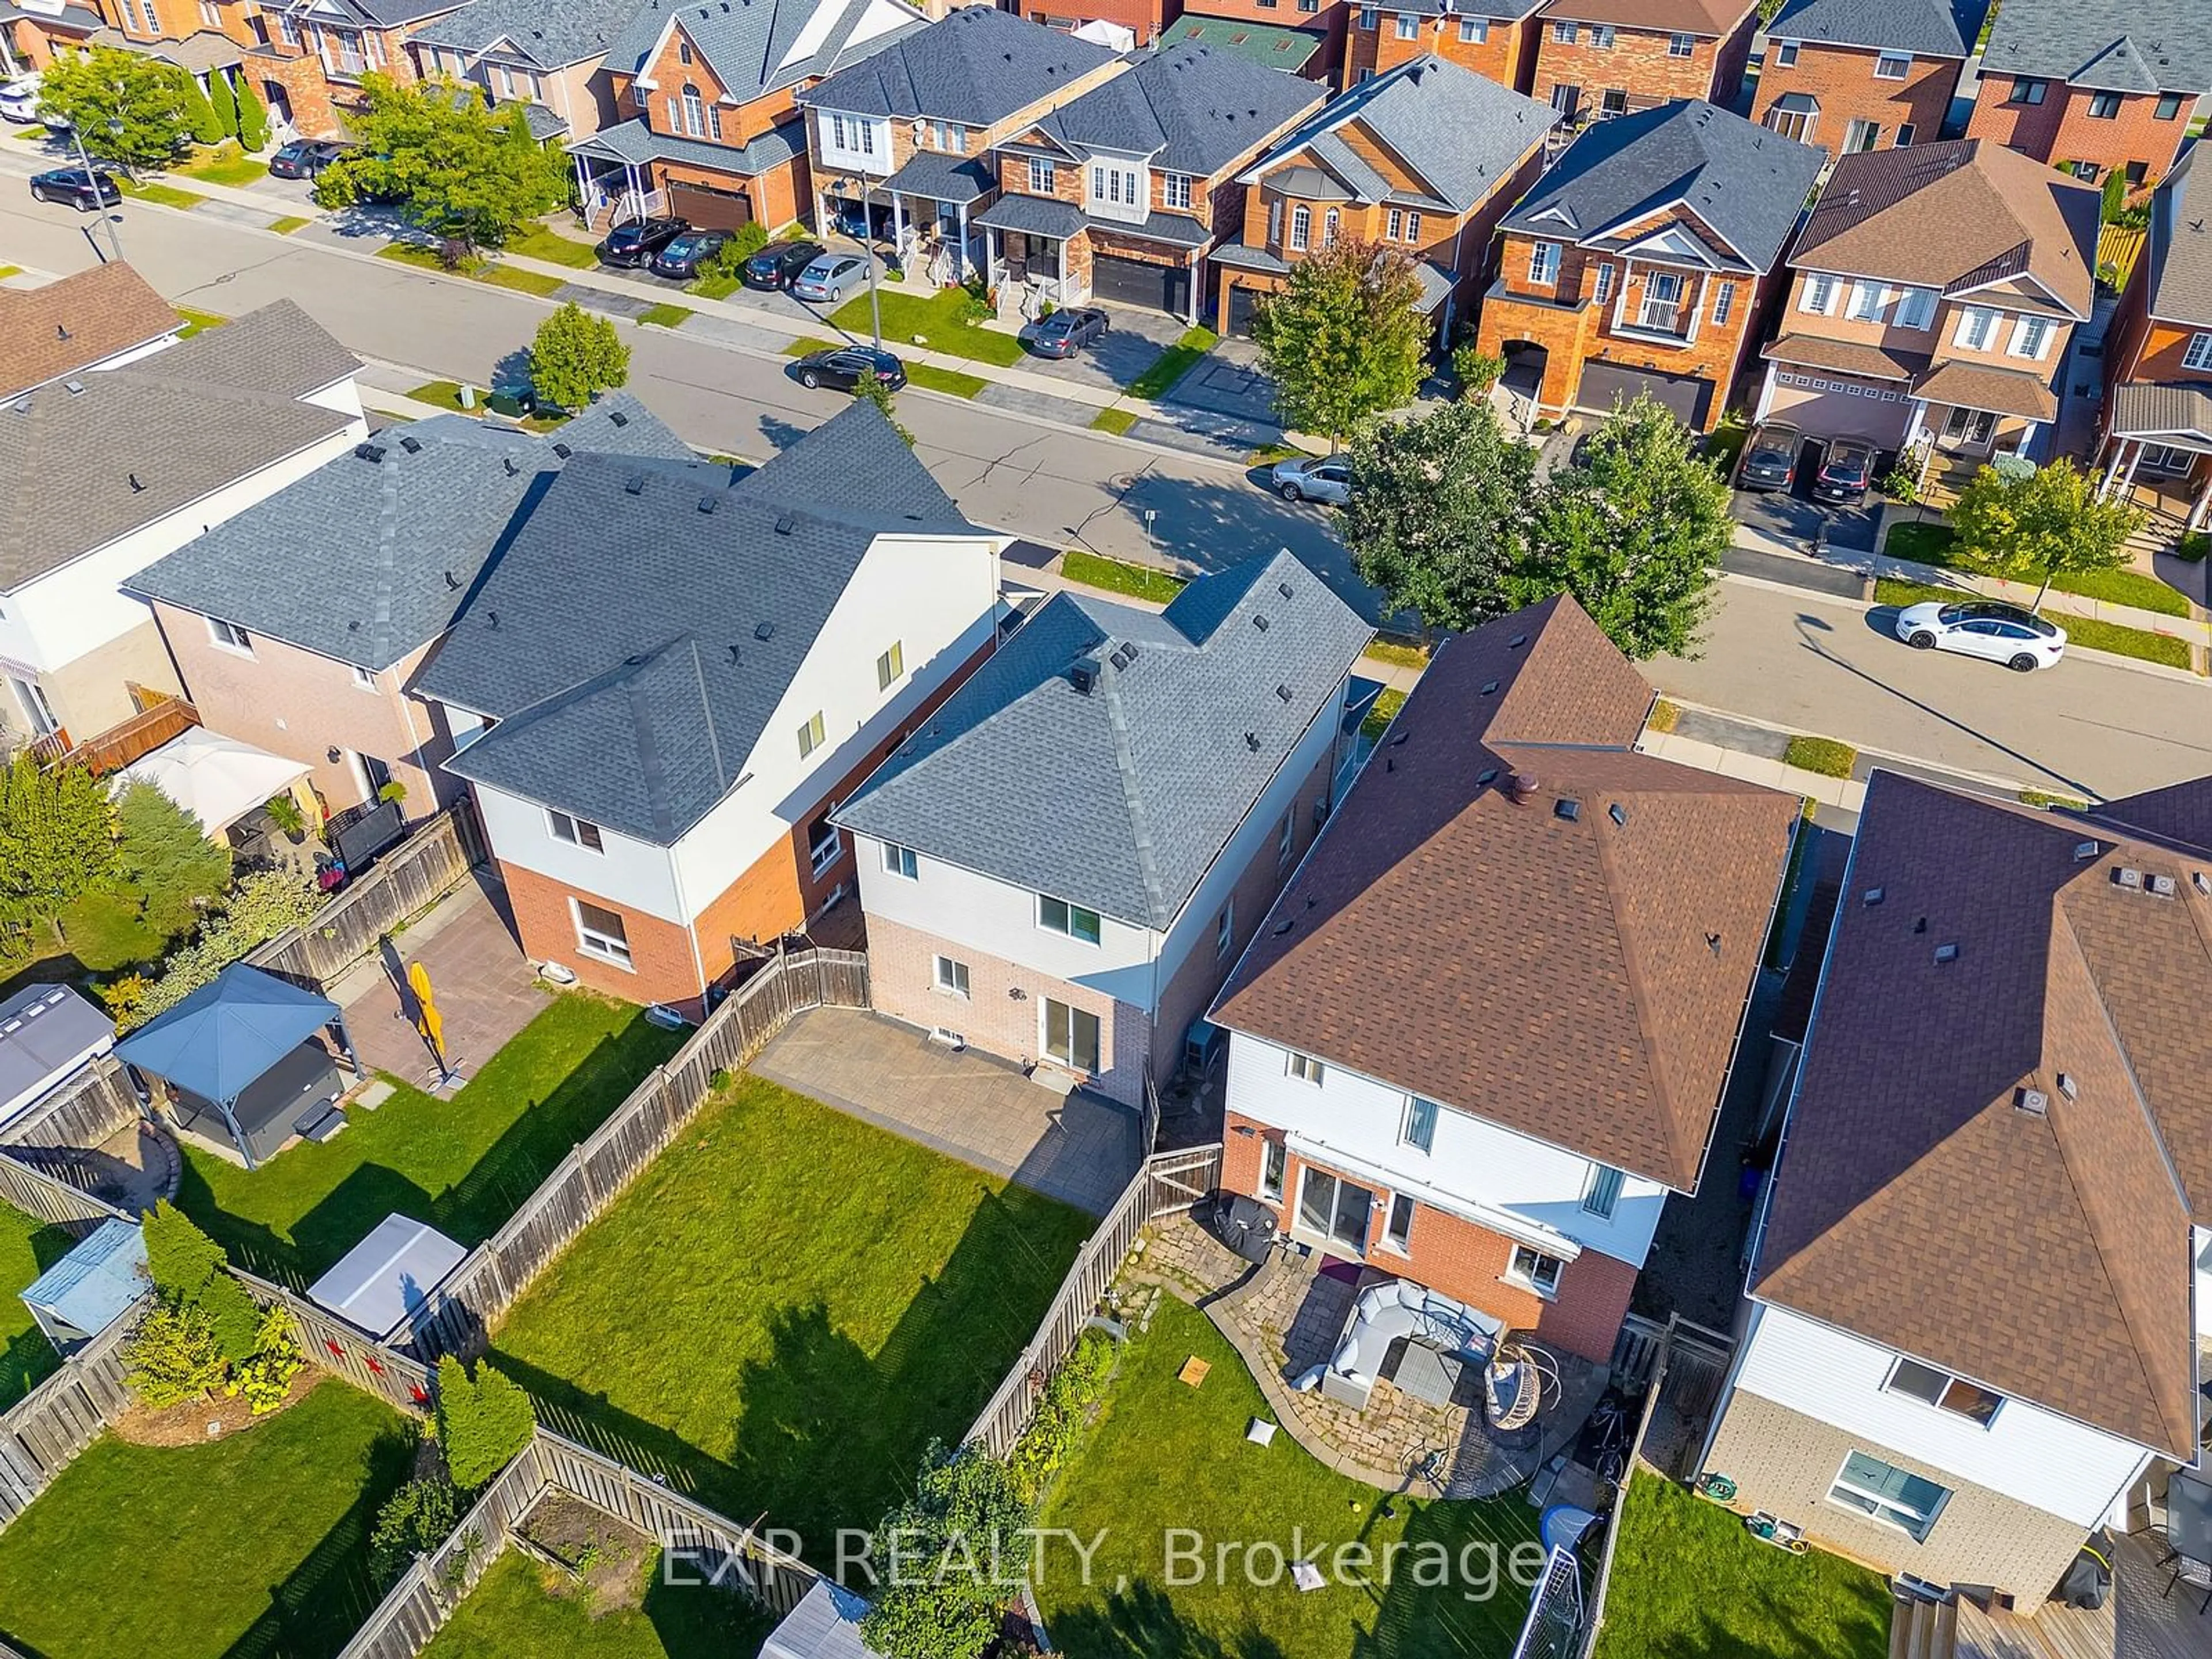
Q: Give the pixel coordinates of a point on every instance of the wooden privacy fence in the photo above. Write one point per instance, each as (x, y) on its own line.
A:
(710, 1546)
(406, 881)
(397, 1378)
(1165, 1183)
(42, 1433)
(496, 1273)
(2118, 247)
(52, 1197)
(93, 1105)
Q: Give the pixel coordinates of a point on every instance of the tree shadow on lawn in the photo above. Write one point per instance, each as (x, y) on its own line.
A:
(1139, 1621)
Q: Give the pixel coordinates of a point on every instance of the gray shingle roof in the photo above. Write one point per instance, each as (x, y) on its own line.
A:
(1191, 110)
(365, 560)
(976, 65)
(1926, 28)
(1120, 798)
(550, 32)
(602, 640)
(1748, 185)
(636, 142)
(1033, 216)
(2109, 45)
(752, 45)
(132, 445)
(2180, 250)
(1461, 133)
(943, 177)
(2144, 408)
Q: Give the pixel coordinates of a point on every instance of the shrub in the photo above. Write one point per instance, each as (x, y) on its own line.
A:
(1478, 370)
(414, 1520)
(252, 117)
(124, 996)
(963, 1536)
(263, 905)
(749, 239)
(173, 1356)
(166, 852)
(180, 1259)
(1061, 1410)
(224, 102)
(1830, 758)
(483, 1421)
(2194, 546)
(234, 1316)
(265, 1377)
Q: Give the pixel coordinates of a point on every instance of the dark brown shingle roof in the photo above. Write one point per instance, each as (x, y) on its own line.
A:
(1577, 979)
(50, 331)
(2045, 1252)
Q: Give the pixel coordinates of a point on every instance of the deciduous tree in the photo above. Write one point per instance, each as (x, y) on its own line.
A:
(576, 354)
(57, 839)
(952, 1554)
(1342, 340)
(871, 390)
(132, 110)
(2038, 525)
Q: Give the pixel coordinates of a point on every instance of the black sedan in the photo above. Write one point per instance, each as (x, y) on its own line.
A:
(842, 366)
(1066, 331)
(775, 266)
(635, 241)
(1845, 473)
(303, 158)
(682, 257)
(1770, 459)
(75, 187)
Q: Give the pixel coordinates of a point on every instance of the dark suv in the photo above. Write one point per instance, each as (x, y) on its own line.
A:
(634, 241)
(1770, 459)
(1845, 474)
(775, 266)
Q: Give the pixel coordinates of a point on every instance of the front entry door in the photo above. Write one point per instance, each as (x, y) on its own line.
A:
(1969, 428)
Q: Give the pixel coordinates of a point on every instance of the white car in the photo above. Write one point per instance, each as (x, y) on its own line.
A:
(19, 102)
(2019, 639)
(1314, 478)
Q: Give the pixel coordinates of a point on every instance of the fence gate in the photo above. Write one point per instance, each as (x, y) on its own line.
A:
(1557, 1615)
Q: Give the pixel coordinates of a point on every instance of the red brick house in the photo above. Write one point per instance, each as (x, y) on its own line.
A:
(1425, 157)
(1496, 39)
(1857, 75)
(1643, 260)
(32, 31)
(2093, 87)
(309, 56)
(1602, 57)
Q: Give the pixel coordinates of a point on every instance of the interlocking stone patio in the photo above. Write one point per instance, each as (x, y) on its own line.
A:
(970, 1106)
(1286, 1317)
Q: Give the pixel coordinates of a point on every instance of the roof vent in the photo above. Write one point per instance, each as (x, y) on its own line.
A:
(1713, 943)
(706, 502)
(506, 465)
(764, 631)
(1618, 813)
(1283, 588)
(2163, 887)
(1258, 622)
(2067, 1087)
(1486, 777)
(2086, 850)
(2126, 875)
(563, 451)
(1083, 674)
(411, 443)
(1874, 895)
(786, 523)
(615, 417)
(1516, 641)
(1283, 692)
(735, 656)
(1252, 741)
(1567, 807)
(2033, 1101)
(1947, 952)
(61, 331)
(370, 452)
(73, 387)
(1124, 654)
(1284, 925)
(1519, 786)
(453, 583)
(634, 484)
(491, 619)
(136, 486)
(1490, 687)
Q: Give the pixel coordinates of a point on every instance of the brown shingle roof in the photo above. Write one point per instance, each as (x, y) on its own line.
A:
(1935, 214)
(1916, 1203)
(1577, 980)
(46, 333)
(1846, 356)
(1979, 385)
(1688, 16)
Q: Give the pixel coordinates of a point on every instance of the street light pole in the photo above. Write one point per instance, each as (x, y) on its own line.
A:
(868, 248)
(91, 178)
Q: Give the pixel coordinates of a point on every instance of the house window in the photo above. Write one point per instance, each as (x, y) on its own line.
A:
(1174, 190)
(1398, 1230)
(1301, 226)
(890, 665)
(1602, 285)
(1274, 1161)
(364, 678)
(1225, 929)
(811, 736)
(901, 861)
(1563, 31)
(230, 636)
(1044, 177)
(952, 135)
(1058, 916)
(1115, 185)
(1397, 224)
(1286, 833)
(1904, 139)
(1861, 134)
(1331, 223)
(1305, 1068)
(2025, 89)
(1274, 222)
(210, 14)
(1786, 54)
(1409, 26)
(683, 51)
(1412, 226)
(952, 978)
(1723, 303)
(1866, 302)
(1071, 1037)
(1473, 31)
(2031, 336)
(1544, 263)
(288, 31)
(825, 846)
(714, 120)
(600, 933)
(577, 832)
(1533, 1270)
(1915, 308)
(855, 134)
(1662, 300)
(1335, 1208)
(1940, 1388)
(694, 112)
(1681, 46)
(1889, 1494)
(1613, 101)
(2138, 171)
(1420, 1126)
(1892, 65)
(1367, 17)
(1819, 295)
(2199, 352)
(1601, 36)
(1602, 1192)
(1978, 327)
(2105, 105)
(1310, 5)
(2168, 107)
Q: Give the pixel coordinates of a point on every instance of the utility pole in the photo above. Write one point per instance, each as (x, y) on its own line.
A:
(868, 248)
(92, 178)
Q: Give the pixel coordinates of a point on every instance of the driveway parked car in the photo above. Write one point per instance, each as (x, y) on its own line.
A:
(776, 266)
(1845, 473)
(303, 158)
(2004, 633)
(75, 187)
(1770, 459)
(19, 101)
(635, 241)
(683, 256)
(830, 278)
(1314, 478)
(842, 366)
(1068, 331)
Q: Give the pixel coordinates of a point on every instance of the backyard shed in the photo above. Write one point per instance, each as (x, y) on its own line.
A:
(91, 1287)
(825, 1624)
(242, 1063)
(46, 1032)
(383, 1282)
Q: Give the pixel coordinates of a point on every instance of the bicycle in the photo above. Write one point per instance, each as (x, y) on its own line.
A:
(1425, 1463)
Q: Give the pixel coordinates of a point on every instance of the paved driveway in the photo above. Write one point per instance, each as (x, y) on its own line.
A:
(1228, 381)
(969, 1106)
(1134, 339)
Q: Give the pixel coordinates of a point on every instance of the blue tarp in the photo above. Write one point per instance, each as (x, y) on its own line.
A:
(95, 1285)
(224, 1036)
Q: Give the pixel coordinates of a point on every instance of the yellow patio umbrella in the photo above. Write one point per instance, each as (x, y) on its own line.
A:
(428, 1020)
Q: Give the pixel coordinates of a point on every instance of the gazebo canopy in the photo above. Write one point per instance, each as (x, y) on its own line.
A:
(217, 780)
(226, 1035)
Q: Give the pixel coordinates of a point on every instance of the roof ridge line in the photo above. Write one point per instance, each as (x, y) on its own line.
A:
(387, 559)
(1662, 1086)
(1141, 827)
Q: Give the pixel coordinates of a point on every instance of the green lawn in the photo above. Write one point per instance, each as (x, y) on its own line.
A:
(939, 318)
(249, 1545)
(1116, 421)
(162, 195)
(289, 223)
(950, 381)
(1384, 710)
(786, 1307)
(493, 275)
(1138, 581)
(714, 285)
(542, 242)
(520, 1610)
(464, 1165)
(1398, 656)
(1164, 1455)
(1159, 376)
(664, 315)
(27, 1249)
(1931, 543)
(1825, 755)
(1689, 1583)
(446, 394)
(224, 165)
(2085, 631)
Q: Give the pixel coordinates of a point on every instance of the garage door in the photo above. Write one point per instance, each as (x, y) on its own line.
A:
(1242, 303)
(1841, 414)
(1604, 384)
(1132, 281)
(710, 210)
